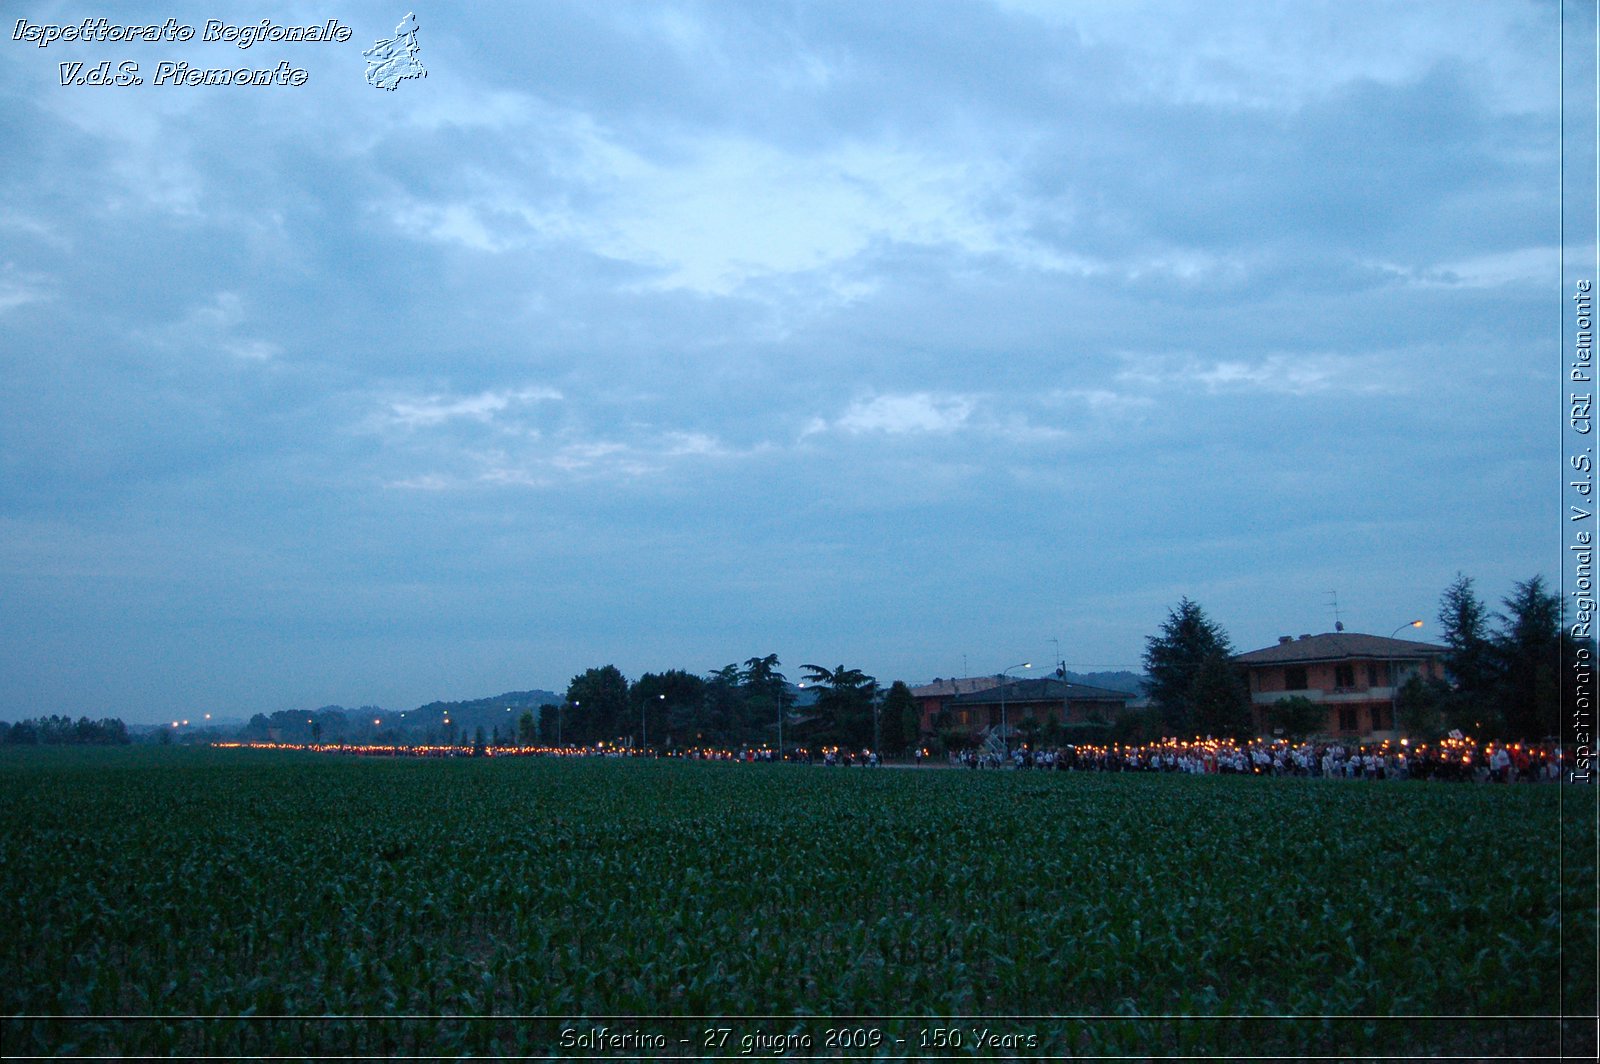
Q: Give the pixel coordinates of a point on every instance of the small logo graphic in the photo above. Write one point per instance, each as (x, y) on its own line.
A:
(392, 61)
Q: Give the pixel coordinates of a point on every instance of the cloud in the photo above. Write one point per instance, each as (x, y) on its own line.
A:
(216, 326)
(1284, 374)
(739, 209)
(712, 213)
(32, 227)
(1107, 401)
(454, 223)
(1256, 55)
(424, 482)
(136, 164)
(19, 287)
(433, 410)
(899, 415)
(1522, 266)
(563, 458)
(1294, 376)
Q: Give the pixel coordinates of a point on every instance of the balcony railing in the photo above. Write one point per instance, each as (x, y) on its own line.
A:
(1336, 694)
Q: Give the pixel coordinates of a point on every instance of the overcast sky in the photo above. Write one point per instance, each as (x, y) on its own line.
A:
(906, 336)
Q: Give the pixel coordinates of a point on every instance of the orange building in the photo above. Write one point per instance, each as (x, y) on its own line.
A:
(933, 697)
(1354, 677)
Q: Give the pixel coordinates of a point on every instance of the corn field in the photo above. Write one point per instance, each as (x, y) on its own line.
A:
(237, 902)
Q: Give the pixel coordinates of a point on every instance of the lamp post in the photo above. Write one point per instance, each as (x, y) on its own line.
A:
(798, 687)
(660, 700)
(1005, 724)
(1394, 686)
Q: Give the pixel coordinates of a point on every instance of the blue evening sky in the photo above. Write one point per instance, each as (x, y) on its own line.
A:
(905, 336)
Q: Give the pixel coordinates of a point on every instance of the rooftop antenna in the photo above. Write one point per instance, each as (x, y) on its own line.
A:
(964, 671)
(1338, 625)
(1061, 665)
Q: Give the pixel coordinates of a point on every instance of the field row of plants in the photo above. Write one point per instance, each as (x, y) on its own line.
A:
(228, 897)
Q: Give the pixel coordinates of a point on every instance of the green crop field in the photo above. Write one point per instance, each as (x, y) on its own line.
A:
(170, 901)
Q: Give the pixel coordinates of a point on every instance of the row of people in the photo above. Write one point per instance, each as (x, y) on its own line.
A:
(1450, 759)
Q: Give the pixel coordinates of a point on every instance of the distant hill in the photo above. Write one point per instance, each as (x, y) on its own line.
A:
(501, 711)
(374, 723)
(1123, 680)
(510, 700)
(1129, 682)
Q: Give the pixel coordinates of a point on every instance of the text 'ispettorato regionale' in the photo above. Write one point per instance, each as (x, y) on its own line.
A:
(170, 72)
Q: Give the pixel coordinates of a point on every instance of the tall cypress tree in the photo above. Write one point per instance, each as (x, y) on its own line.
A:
(898, 718)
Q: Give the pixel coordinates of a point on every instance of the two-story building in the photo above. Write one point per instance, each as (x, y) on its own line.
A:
(931, 698)
(1000, 709)
(1355, 678)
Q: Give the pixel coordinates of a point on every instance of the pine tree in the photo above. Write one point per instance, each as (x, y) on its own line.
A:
(1218, 695)
(1528, 653)
(1185, 664)
(1464, 627)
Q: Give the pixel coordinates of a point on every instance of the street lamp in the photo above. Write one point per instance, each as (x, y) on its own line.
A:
(660, 699)
(1394, 686)
(798, 686)
(876, 741)
(1005, 724)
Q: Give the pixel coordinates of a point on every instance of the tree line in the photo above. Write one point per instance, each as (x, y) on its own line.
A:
(731, 706)
(65, 731)
(1506, 667)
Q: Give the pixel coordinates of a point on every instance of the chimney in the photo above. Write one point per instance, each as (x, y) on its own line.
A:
(1282, 639)
(1305, 635)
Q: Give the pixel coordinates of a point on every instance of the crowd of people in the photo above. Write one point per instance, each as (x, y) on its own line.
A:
(1453, 759)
